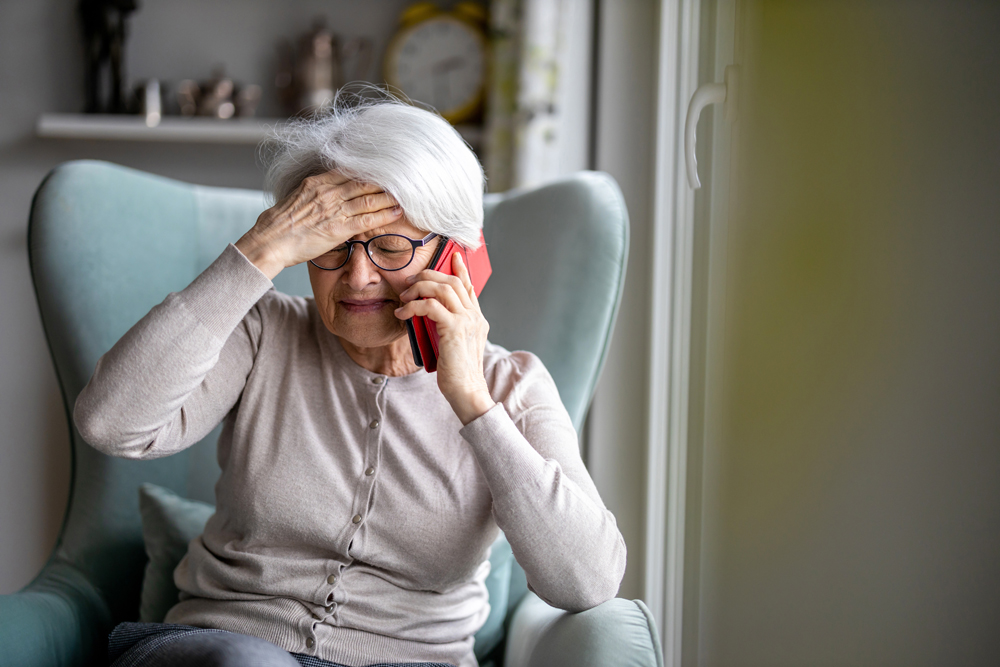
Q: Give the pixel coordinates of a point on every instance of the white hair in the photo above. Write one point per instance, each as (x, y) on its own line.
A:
(413, 154)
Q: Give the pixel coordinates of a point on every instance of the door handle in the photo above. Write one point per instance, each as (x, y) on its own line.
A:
(708, 93)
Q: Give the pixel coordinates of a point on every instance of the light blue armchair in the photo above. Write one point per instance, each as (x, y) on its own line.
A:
(107, 243)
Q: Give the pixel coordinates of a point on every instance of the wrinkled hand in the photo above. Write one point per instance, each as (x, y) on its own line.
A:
(450, 301)
(320, 214)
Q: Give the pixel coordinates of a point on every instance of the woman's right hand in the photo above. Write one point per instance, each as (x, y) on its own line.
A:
(323, 212)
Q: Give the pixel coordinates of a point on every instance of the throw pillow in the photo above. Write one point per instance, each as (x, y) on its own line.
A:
(169, 522)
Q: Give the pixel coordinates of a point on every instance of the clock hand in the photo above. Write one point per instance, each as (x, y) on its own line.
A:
(443, 66)
(442, 87)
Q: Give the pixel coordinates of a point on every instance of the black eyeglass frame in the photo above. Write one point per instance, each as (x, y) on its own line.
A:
(416, 243)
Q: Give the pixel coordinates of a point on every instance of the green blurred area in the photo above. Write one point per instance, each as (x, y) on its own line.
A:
(852, 512)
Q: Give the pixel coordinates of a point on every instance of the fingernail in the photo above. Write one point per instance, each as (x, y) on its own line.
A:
(396, 210)
(411, 279)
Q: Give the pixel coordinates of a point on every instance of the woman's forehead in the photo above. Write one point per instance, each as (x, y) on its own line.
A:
(401, 226)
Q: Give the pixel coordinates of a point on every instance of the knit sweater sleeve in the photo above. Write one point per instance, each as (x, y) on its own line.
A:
(544, 500)
(177, 373)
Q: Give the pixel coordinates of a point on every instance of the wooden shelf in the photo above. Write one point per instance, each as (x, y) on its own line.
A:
(176, 129)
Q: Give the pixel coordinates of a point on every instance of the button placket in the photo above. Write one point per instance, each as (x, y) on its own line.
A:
(332, 581)
(375, 445)
(372, 425)
(376, 423)
(307, 628)
(372, 436)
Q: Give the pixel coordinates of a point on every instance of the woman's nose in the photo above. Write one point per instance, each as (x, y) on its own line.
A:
(359, 272)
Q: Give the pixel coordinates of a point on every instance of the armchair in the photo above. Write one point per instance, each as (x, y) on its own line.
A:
(106, 243)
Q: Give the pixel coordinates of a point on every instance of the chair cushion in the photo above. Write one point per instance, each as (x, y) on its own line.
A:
(170, 522)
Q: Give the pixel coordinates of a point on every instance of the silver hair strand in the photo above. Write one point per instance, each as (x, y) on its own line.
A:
(412, 153)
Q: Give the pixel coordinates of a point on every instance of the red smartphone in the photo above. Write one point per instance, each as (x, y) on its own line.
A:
(423, 330)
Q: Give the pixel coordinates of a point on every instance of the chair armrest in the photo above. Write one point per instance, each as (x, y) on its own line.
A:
(57, 620)
(619, 632)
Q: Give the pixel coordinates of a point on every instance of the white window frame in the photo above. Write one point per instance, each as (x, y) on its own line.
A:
(670, 339)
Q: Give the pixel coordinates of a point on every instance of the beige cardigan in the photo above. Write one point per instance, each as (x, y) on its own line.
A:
(354, 513)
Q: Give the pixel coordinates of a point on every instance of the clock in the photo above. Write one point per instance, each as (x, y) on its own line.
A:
(439, 58)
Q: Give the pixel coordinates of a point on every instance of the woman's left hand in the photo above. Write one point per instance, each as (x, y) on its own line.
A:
(450, 301)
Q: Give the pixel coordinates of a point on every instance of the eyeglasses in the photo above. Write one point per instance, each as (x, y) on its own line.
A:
(390, 252)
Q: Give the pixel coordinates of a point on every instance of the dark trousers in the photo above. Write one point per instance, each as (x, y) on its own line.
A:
(168, 645)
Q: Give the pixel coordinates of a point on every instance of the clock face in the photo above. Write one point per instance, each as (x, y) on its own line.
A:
(441, 62)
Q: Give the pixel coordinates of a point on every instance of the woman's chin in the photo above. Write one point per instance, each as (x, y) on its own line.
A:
(369, 329)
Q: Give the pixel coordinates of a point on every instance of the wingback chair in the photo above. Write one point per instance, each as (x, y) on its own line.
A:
(107, 243)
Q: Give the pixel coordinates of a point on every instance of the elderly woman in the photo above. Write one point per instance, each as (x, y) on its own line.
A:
(359, 494)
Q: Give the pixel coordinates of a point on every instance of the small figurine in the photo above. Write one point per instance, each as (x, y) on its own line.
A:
(318, 67)
(308, 76)
(247, 99)
(104, 41)
(219, 98)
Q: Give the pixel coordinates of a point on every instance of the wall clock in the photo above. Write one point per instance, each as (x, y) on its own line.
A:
(440, 58)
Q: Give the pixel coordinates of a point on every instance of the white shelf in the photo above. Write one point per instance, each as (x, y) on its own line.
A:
(134, 128)
(174, 128)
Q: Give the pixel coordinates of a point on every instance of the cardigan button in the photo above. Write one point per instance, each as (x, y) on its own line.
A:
(357, 518)
(370, 472)
(332, 579)
(328, 608)
(374, 424)
(379, 380)
(310, 642)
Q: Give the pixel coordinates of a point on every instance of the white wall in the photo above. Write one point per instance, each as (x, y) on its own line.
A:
(851, 510)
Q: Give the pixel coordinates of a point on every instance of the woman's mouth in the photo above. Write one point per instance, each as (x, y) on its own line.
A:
(364, 305)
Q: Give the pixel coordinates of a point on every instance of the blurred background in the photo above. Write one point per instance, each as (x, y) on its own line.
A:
(798, 426)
